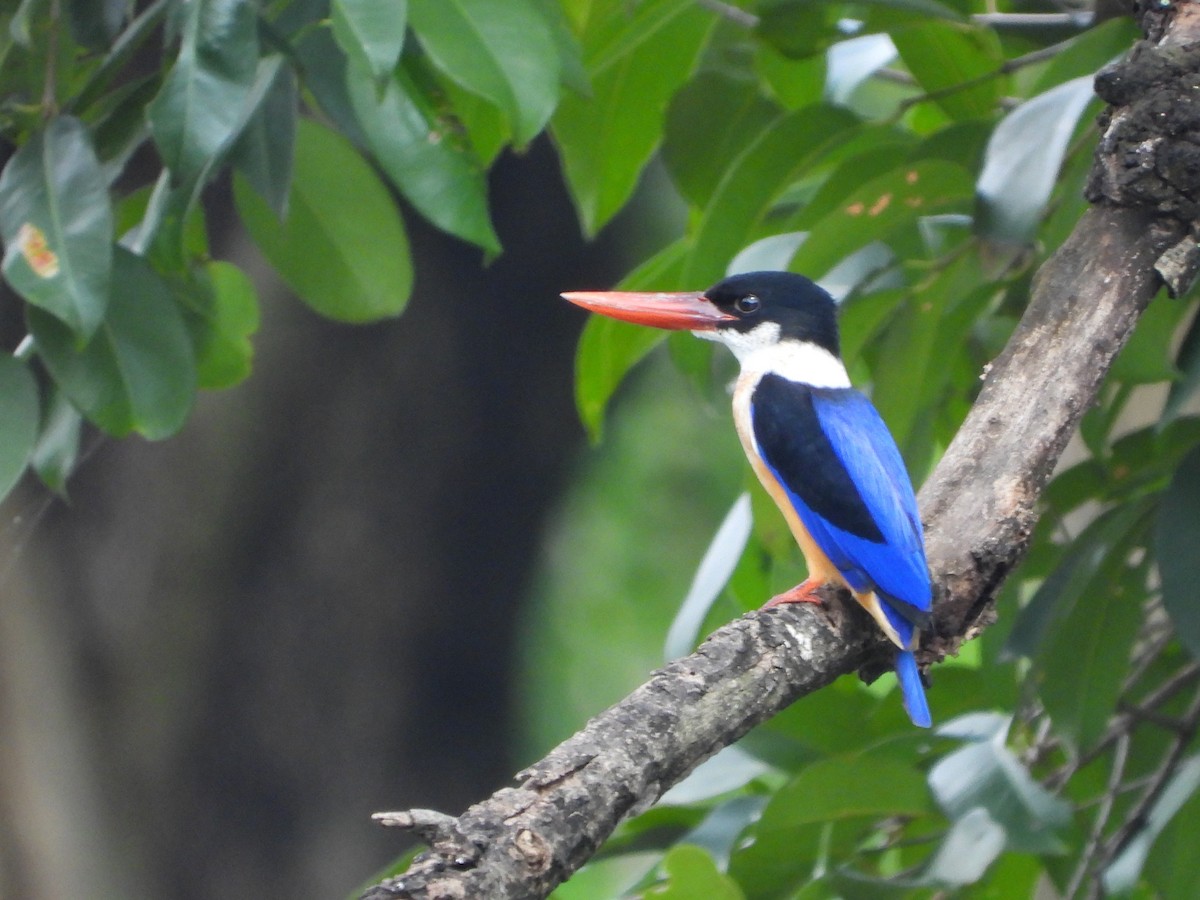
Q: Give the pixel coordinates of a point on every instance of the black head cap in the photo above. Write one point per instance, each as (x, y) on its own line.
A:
(803, 311)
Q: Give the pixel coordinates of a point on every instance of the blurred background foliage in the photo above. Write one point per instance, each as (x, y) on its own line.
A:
(382, 569)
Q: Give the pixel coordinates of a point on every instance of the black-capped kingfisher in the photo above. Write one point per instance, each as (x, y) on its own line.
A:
(817, 445)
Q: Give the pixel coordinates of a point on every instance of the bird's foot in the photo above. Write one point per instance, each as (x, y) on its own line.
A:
(805, 592)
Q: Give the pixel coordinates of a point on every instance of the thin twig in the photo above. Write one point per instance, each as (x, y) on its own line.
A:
(731, 12)
(1111, 789)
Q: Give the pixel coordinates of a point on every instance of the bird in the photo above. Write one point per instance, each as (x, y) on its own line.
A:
(818, 446)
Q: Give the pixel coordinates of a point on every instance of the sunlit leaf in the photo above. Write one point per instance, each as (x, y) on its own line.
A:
(221, 320)
(1176, 537)
(441, 178)
(138, 372)
(371, 31)
(503, 52)
(879, 207)
(199, 108)
(1023, 159)
(343, 248)
(691, 873)
(57, 224)
(1146, 358)
(636, 62)
(19, 420)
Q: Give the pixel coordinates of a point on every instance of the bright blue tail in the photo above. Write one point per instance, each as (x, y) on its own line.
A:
(913, 690)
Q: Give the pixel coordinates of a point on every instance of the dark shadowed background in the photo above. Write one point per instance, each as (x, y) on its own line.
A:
(228, 649)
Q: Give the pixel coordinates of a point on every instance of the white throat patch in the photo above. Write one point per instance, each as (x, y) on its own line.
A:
(761, 351)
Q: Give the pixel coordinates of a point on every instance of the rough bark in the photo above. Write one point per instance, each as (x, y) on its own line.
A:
(979, 508)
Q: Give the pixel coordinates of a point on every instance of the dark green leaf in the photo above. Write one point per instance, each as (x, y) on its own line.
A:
(880, 207)
(1176, 539)
(955, 63)
(222, 320)
(1093, 558)
(691, 873)
(1172, 867)
(267, 144)
(371, 31)
(1080, 672)
(1188, 386)
(424, 159)
(198, 110)
(57, 225)
(636, 59)
(137, 373)
(57, 447)
(984, 774)
(343, 248)
(793, 82)
(796, 28)
(754, 181)
(327, 77)
(95, 23)
(19, 415)
(709, 122)
(1023, 159)
(1124, 872)
(502, 52)
(1089, 51)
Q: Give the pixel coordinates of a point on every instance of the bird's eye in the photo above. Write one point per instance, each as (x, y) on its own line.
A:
(748, 304)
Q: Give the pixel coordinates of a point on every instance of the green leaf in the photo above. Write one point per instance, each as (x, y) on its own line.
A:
(608, 349)
(956, 63)
(343, 248)
(691, 873)
(1082, 669)
(221, 323)
(969, 847)
(984, 774)
(800, 823)
(57, 447)
(424, 159)
(1023, 159)
(1124, 872)
(198, 110)
(1184, 390)
(880, 207)
(1146, 358)
(19, 413)
(138, 372)
(637, 59)
(1089, 51)
(1172, 866)
(371, 31)
(709, 122)
(1095, 557)
(57, 224)
(1176, 537)
(754, 181)
(265, 150)
(95, 23)
(502, 52)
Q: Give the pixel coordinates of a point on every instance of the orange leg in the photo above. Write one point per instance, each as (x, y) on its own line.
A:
(806, 592)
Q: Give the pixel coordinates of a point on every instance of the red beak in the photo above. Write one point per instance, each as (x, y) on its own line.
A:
(685, 311)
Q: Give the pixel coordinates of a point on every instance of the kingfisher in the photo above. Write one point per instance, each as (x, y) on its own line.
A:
(817, 445)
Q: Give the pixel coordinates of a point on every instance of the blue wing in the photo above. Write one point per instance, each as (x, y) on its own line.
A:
(843, 474)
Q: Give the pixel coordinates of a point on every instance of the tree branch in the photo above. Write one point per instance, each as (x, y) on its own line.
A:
(979, 508)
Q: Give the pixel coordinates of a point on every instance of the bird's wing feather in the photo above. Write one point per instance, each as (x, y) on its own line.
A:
(843, 474)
